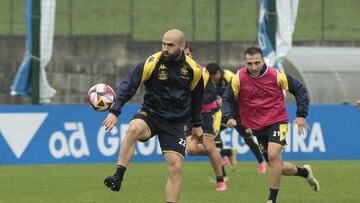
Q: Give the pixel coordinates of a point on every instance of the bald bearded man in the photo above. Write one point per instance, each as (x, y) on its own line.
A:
(173, 94)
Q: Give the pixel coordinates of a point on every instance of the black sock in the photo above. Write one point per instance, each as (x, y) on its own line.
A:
(255, 149)
(120, 170)
(265, 154)
(273, 194)
(223, 171)
(219, 179)
(301, 172)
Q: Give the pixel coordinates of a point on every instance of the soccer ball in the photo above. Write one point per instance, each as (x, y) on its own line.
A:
(100, 97)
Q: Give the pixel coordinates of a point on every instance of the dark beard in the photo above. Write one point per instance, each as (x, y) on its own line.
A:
(173, 57)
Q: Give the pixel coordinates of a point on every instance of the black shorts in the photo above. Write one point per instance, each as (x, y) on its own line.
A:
(274, 133)
(171, 134)
(207, 125)
(218, 141)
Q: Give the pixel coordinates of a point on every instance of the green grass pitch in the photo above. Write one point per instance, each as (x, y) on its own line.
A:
(145, 182)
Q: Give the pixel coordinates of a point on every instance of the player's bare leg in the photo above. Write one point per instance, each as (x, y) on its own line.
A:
(138, 130)
(289, 169)
(215, 160)
(305, 171)
(173, 185)
(276, 167)
(213, 154)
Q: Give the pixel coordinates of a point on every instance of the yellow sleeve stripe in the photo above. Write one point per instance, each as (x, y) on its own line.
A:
(196, 70)
(235, 84)
(206, 76)
(149, 66)
(282, 80)
(228, 75)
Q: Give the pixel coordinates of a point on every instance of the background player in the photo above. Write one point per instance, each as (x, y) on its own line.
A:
(205, 145)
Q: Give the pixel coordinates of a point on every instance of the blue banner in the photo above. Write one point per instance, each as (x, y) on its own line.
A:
(263, 37)
(74, 134)
(22, 82)
(277, 19)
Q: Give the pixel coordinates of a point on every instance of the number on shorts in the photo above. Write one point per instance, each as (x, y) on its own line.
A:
(276, 133)
(182, 142)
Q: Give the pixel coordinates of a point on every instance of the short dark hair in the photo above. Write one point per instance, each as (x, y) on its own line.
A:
(213, 68)
(253, 50)
(187, 45)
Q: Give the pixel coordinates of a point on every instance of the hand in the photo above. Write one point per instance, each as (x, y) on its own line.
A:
(196, 133)
(303, 126)
(358, 104)
(231, 123)
(110, 122)
(219, 100)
